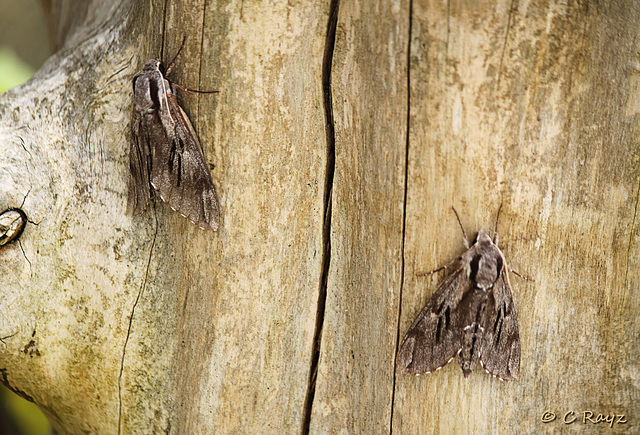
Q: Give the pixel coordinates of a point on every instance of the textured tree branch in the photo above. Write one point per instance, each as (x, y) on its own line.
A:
(148, 324)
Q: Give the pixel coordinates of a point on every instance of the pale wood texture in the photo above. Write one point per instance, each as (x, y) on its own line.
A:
(222, 335)
(369, 80)
(534, 106)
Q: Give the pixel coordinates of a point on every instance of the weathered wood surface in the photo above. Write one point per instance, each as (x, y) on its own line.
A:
(222, 335)
(356, 368)
(435, 104)
(533, 106)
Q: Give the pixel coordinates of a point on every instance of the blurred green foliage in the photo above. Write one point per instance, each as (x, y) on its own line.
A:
(19, 416)
(13, 71)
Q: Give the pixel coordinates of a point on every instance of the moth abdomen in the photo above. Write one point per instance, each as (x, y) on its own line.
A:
(471, 347)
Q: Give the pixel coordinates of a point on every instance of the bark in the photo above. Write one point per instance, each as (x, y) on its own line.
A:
(150, 324)
(336, 169)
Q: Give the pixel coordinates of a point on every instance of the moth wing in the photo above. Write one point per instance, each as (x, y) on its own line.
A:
(501, 350)
(139, 165)
(434, 338)
(180, 174)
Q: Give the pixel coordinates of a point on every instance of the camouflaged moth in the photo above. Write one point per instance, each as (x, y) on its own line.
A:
(471, 315)
(165, 154)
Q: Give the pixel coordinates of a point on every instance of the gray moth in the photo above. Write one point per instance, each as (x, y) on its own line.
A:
(165, 153)
(471, 315)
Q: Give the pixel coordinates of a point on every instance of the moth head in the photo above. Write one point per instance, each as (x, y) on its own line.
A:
(483, 237)
(150, 67)
(154, 65)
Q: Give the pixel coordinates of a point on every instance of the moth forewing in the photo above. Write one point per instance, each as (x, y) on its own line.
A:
(433, 340)
(182, 177)
(501, 353)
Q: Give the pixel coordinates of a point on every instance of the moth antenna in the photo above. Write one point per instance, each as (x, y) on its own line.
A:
(495, 232)
(185, 89)
(170, 67)
(526, 278)
(446, 266)
(464, 234)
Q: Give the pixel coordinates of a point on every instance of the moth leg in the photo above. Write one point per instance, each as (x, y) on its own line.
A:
(526, 278)
(464, 234)
(170, 67)
(495, 232)
(446, 266)
(185, 89)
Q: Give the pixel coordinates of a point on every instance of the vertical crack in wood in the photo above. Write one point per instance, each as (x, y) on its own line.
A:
(21, 207)
(634, 221)
(446, 51)
(326, 229)
(146, 274)
(204, 23)
(25, 256)
(404, 213)
(504, 46)
(164, 28)
(133, 310)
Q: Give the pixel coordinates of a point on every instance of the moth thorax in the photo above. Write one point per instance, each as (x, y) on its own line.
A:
(485, 269)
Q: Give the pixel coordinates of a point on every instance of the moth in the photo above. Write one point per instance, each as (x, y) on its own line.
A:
(12, 223)
(471, 315)
(165, 153)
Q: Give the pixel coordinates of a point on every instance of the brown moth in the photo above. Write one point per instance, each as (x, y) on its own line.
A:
(471, 315)
(165, 153)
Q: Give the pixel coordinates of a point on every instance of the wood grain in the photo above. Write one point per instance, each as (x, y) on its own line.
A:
(150, 325)
(355, 373)
(532, 108)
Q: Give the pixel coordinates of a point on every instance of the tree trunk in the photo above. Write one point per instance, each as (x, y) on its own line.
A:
(336, 170)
